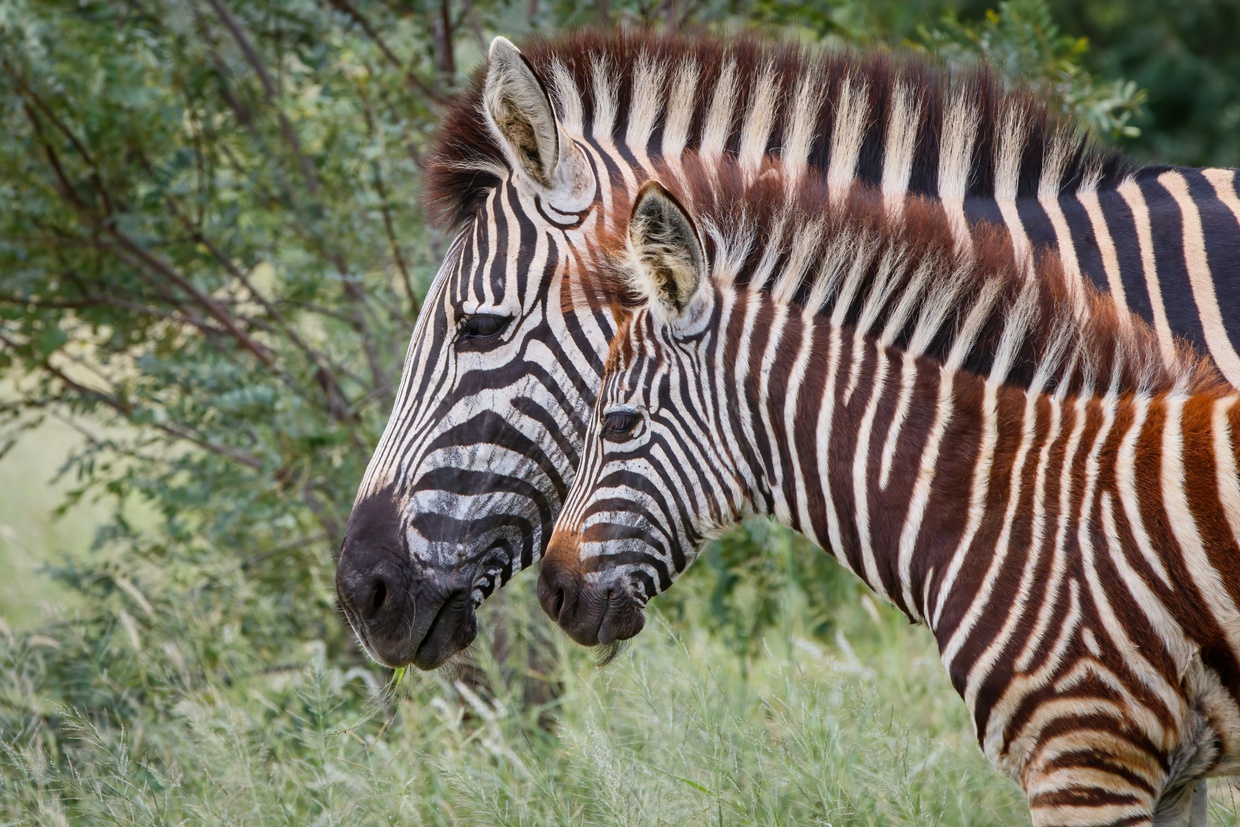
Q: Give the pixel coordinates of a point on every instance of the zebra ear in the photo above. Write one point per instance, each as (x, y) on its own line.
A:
(520, 112)
(665, 242)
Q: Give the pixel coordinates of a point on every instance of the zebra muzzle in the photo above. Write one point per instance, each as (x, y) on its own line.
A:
(402, 612)
(590, 610)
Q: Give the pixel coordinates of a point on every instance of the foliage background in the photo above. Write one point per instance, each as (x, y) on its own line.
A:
(211, 255)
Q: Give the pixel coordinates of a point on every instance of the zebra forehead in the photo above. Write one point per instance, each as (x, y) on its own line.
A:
(502, 258)
(628, 104)
(623, 346)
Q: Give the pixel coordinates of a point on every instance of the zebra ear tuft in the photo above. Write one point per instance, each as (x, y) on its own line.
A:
(521, 114)
(667, 248)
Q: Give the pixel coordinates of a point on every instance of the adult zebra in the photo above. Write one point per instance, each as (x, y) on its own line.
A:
(1073, 546)
(483, 440)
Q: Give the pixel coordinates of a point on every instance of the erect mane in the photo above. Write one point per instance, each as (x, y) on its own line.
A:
(903, 280)
(592, 77)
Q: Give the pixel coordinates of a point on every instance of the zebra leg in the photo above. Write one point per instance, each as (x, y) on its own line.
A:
(1201, 805)
(1086, 805)
(1089, 786)
(1082, 804)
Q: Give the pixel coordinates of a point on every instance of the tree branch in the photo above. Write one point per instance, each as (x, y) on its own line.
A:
(271, 91)
(88, 300)
(136, 250)
(385, 208)
(30, 97)
(443, 28)
(210, 305)
(410, 78)
(125, 409)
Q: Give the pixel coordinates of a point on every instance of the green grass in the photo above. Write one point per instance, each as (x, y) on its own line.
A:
(676, 731)
(864, 730)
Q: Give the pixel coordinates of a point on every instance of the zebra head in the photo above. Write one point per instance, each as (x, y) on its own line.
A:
(654, 482)
(468, 476)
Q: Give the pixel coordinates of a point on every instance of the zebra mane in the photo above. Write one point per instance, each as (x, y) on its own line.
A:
(751, 98)
(903, 280)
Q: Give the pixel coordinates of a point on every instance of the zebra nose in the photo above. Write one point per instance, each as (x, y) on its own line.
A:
(374, 594)
(374, 579)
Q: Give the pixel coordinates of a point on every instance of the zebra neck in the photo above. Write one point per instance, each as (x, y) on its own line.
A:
(836, 427)
(935, 487)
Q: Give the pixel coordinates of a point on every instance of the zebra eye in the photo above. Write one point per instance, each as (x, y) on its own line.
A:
(482, 326)
(619, 425)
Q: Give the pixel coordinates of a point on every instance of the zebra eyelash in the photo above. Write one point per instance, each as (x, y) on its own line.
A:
(621, 424)
(482, 326)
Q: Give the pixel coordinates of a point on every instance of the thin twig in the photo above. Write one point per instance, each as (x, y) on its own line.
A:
(447, 54)
(386, 210)
(125, 409)
(137, 251)
(210, 305)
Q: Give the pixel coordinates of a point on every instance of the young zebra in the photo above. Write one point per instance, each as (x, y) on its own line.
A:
(1074, 547)
(501, 372)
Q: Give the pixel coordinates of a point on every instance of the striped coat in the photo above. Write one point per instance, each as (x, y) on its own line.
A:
(542, 155)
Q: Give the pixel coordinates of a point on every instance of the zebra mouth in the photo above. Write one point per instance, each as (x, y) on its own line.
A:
(623, 618)
(423, 623)
(453, 628)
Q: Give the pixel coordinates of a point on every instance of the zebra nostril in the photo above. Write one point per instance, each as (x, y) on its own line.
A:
(557, 603)
(551, 593)
(375, 599)
(378, 598)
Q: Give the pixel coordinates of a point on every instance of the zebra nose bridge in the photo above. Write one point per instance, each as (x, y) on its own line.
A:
(409, 455)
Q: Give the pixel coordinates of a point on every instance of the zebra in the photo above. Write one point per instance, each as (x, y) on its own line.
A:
(502, 369)
(1072, 542)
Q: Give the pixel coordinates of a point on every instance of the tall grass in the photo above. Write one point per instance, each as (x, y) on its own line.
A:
(678, 730)
(169, 714)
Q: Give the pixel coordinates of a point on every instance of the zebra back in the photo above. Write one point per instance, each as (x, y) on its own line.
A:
(896, 276)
